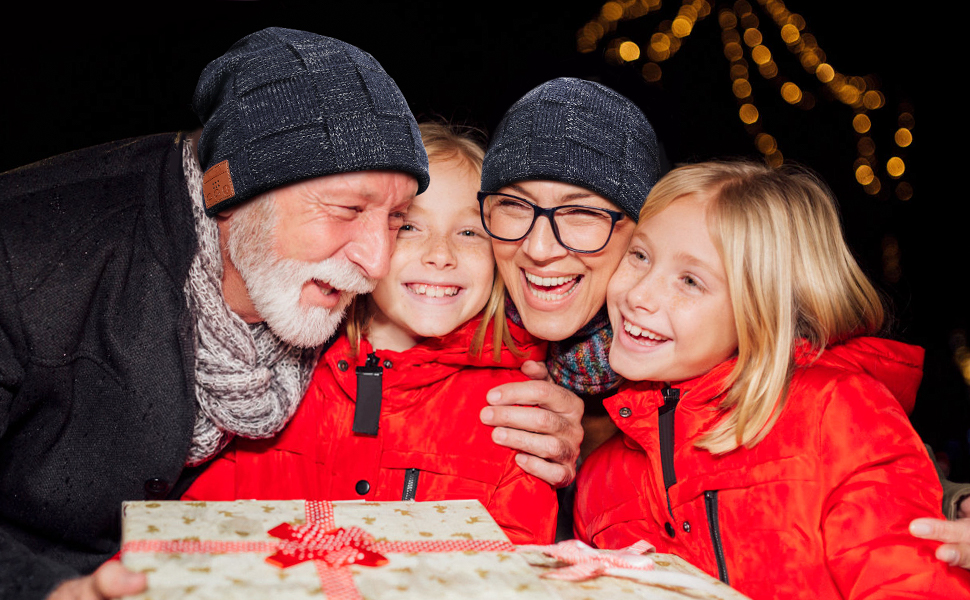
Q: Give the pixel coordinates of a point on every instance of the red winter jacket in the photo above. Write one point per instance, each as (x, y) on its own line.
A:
(818, 509)
(430, 444)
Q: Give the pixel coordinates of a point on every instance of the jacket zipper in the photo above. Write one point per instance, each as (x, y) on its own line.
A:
(666, 423)
(410, 483)
(710, 503)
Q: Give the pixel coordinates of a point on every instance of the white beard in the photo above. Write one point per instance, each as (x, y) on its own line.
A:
(275, 284)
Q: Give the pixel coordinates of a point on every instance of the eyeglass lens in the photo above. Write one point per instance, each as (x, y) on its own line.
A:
(580, 228)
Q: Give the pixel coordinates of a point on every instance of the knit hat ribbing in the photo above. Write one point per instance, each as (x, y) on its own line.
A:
(284, 105)
(576, 132)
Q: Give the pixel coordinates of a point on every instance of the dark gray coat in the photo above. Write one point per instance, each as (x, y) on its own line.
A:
(96, 355)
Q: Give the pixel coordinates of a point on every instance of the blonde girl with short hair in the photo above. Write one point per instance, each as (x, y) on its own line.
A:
(392, 410)
(764, 431)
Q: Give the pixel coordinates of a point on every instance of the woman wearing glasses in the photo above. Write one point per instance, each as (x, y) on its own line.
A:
(566, 173)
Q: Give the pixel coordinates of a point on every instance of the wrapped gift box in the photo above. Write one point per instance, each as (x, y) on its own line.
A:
(375, 550)
(218, 550)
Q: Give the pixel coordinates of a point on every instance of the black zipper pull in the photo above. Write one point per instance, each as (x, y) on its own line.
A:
(666, 423)
(367, 414)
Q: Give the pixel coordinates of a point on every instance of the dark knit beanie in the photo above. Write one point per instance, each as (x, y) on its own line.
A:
(576, 132)
(284, 105)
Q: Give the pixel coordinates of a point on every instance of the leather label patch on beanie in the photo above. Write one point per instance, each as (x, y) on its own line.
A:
(217, 184)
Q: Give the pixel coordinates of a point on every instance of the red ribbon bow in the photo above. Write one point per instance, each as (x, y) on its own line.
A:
(314, 541)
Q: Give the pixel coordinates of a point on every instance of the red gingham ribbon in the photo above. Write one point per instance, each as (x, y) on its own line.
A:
(332, 549)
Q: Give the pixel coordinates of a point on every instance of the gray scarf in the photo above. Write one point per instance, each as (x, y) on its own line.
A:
(248, 382)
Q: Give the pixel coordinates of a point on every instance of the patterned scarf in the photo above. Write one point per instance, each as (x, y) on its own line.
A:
(248, 382)
(579, 363)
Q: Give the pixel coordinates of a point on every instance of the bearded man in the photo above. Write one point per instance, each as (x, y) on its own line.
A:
(161, 295)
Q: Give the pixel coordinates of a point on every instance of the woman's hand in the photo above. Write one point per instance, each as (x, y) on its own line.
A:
(955, 536)
(539, 419)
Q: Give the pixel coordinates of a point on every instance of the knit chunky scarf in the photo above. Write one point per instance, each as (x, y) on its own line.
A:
(579, 363)
(248, 382)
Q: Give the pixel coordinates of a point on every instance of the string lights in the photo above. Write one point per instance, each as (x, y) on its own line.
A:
(746, 47)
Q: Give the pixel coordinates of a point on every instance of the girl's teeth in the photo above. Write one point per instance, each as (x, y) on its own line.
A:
(434, 291)
(637, 331)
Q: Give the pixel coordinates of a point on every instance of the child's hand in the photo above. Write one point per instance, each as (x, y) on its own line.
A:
(539, 419)
(111, 580)
(955, 536)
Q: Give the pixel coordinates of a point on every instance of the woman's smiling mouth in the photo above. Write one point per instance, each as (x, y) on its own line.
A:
(551, 289)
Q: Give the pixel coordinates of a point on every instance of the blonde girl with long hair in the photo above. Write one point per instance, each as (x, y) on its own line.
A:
(764, 430)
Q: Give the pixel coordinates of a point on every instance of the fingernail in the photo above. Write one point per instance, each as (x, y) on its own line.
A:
(947, 555)
(493, 396)
(920, 528)
(520, 459)
(487, 415)
(499, 435)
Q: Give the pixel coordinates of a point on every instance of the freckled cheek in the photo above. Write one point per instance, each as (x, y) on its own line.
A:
(477, 261)
(677, 302)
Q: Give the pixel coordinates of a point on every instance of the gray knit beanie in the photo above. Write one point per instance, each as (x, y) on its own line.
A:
(577, 132)
(284, 105)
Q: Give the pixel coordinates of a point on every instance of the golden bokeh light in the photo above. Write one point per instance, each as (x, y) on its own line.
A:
(629, 51)
(733, 51)
(866, 146)
(906, 120)
(765, 143)
(739, 70)
(775, 159)
(660, 42)
(748, 113)
(681, 27)
(741, 88)
(612, 11)
(810, 61)
(903, 137)
(861, 123)
(790, 34)
(825, 73)
(651, 72)
(904, 191)
(791, 93)
(873, 99)
(760, 54)
(769, 70)
(752, 37)
(727, 19)
(864, 174)
(873, 187)
(730, 35)
(895, 167)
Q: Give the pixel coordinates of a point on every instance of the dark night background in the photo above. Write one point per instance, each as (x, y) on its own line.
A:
(77, 78)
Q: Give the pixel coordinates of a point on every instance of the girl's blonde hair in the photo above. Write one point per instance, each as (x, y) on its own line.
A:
(446, 142)
(790, 275)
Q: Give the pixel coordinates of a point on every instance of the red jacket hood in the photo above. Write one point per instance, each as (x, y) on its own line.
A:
(896, 365)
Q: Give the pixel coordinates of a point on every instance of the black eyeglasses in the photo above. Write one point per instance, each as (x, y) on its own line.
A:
(584, 229)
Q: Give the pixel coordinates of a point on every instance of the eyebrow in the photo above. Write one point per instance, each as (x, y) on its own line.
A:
(684, 257)
(570, 196)
(693, 261)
